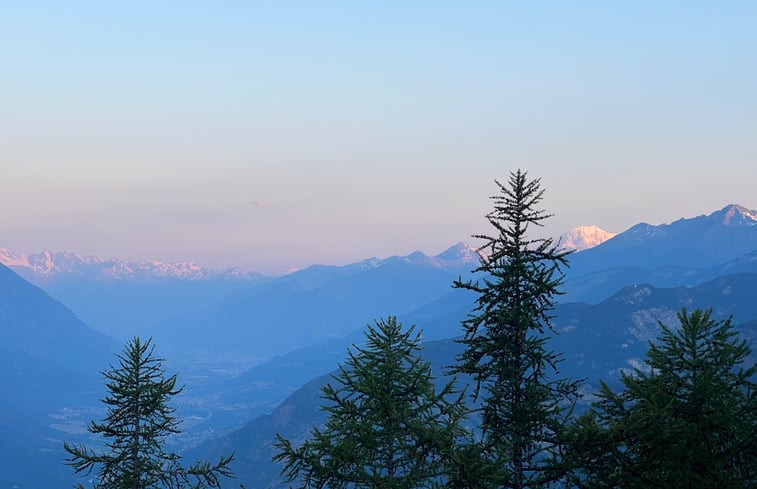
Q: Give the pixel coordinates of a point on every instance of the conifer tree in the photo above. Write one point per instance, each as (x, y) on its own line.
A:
(524, 405)
(687, 420)
(139, 418)
(387, 426)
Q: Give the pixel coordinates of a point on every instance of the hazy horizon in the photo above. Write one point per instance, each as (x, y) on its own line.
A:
(279, 136)
(345, 260)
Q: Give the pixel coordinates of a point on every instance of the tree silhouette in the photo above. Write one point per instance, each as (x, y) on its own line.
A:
(139, 418)
(387, 426)
(524, 406)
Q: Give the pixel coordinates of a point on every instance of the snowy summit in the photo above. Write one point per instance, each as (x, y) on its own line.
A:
(584, 237)
(41, 267)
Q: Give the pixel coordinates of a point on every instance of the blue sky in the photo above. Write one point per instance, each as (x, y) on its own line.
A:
(278, 134)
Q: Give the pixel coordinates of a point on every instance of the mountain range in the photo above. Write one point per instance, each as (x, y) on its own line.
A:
(47, 265)
(321, 302)
(699, 242)
(686, 252)
(245, 344)
(727, 228)
(598, 342)
(49, 361)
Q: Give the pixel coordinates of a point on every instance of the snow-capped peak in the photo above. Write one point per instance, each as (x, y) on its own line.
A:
(584, 237)
(457, 257)
(734, 214)
(46, 265)
(12, 259)
(461, 253)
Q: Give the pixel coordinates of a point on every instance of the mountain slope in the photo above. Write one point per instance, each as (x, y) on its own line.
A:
(596, 286)
(259, 389)
(253, 391)
(319, 303)
(48, 359)
(41, 267)
(36, 329)
(254, 442)
(123, 298)
(598, 342)
(699, 242)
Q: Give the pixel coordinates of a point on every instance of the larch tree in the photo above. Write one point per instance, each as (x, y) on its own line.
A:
(139, 418)
(524, 405)
(688, 419)
(387, 426)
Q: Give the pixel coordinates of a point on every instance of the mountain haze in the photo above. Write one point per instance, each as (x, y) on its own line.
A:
(48, 265)
(323, 302)
(49, 362)
(123, 298)
(597, 342)
(243, 343)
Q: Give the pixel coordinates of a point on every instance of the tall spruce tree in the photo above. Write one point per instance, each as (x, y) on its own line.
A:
(524, 406)
(387, 427)
(687, 420)
(139, 418)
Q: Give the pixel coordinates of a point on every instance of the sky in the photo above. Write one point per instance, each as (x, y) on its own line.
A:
(274, 135)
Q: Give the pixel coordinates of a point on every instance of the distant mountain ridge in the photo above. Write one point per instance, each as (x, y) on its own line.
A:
(213, 326)
(48, 359)
(699, 242)
(322, 302)
(35, 326)
(733, 217)
(596, 341)
(457, 256)
(48, 264)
